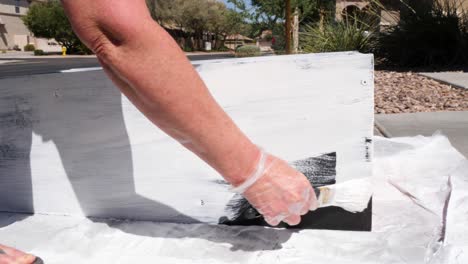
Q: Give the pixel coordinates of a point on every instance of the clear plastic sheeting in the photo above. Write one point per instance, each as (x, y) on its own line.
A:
(420, 211)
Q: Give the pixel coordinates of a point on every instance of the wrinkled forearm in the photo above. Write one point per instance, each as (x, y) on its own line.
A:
(151, 70)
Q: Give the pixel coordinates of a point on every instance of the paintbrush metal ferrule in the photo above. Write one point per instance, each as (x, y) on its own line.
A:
(325, 195)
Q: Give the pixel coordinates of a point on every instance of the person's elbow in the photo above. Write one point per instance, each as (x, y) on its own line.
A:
(120, 25)
(113, 42)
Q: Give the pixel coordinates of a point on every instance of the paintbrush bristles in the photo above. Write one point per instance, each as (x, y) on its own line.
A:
(352, 196)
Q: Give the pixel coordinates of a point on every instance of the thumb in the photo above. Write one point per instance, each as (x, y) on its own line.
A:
(27, 259)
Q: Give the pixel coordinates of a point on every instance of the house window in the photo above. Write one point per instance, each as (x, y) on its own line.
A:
(17, 6)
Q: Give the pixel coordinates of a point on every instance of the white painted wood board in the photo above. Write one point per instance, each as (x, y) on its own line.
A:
(71, 144)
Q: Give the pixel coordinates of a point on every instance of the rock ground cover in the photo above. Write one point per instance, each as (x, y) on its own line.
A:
(409, 92)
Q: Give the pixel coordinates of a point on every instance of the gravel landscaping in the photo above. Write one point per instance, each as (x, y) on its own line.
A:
(408, 92)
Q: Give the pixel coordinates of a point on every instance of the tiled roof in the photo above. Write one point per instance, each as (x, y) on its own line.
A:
(238, 37)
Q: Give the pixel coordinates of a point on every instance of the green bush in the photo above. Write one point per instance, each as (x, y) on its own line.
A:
(29, 47)
(47, 19)
(353, 33)
(4, 51)
(248, 51)
(279, 43)
(187, 49)
(223, 48)
(434, 34)
(39, 52)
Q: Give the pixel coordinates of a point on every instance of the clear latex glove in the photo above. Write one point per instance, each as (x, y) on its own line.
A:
(278, 192)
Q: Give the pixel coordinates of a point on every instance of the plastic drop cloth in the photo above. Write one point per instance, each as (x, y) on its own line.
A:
(420, 215)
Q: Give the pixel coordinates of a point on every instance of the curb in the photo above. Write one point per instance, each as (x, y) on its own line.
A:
(382, 129)
(206, 53)
(8, 61)
(443, 81)
(48, 57)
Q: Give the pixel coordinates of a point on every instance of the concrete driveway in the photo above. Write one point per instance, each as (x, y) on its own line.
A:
(452, 124)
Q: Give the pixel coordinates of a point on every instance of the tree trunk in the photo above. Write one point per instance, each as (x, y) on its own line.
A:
(288, 24)
(295, 33)
(322, 18)
(218, 42)
(196, 41)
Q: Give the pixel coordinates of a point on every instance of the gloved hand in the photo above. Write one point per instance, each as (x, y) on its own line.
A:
(11, 255)
(278, 192)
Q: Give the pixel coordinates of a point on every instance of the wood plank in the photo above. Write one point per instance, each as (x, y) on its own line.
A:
(71, 144)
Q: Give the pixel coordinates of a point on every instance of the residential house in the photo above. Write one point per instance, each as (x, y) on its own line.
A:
(236, 40)
(13, 32)
(388, 17)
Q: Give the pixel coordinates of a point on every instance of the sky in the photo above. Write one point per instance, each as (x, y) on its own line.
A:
(226, 2)
(230, 5)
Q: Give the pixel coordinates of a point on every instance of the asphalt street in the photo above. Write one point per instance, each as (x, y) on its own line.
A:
(25, 67)
(33, 66)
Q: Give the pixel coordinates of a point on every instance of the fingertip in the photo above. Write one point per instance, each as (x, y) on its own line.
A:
(28, 258)
(293, 220)
(272, 221)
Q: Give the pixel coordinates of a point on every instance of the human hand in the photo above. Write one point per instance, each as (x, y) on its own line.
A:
(278, 192)
(10, 255)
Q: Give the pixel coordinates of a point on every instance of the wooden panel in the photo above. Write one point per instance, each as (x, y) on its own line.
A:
(71, 144)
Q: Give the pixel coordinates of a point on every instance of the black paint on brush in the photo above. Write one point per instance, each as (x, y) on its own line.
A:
(318, 170)
(38, 261)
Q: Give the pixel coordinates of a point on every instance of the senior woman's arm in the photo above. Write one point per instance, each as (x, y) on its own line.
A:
(152, 71)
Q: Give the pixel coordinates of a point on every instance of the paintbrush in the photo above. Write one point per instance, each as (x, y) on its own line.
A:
(353, 196)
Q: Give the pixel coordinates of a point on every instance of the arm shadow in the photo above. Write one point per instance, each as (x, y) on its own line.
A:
(96, 156)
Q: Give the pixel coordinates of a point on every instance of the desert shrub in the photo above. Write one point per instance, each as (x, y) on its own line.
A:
(4, 51)
(16, 47)
(339, 36)
(39, 52)
(29, 47)
(248, 51)
(353, 32)
(434, 34)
